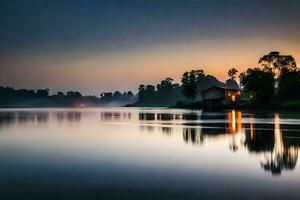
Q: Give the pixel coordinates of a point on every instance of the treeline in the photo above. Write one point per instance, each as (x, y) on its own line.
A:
(117, 98)
(167, 93)
(10, 97)
(277, 80)
(164, 94)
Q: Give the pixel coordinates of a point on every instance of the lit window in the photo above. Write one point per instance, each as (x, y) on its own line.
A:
(233, 98)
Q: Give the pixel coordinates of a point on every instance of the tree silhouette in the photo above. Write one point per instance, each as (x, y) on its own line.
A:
(60, 94)
(150, 93)
(142, 92)
(189, 84)
(231, 82)
(288, 83)
(166, 93)
(129, 94)
(232, 73)
(259, 83)
(278, 63)
(116, 95)
(43, 93)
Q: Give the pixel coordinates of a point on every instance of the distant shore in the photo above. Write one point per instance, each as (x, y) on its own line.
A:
(276, 106)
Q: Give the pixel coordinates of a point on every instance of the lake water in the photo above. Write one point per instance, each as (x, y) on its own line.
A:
(148, 153)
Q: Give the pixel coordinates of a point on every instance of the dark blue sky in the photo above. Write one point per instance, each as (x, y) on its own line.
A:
(34, 29)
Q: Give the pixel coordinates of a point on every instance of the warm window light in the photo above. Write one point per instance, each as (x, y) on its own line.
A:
(233, 98)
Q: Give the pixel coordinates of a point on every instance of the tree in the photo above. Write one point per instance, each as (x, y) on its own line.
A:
(106, 97)
(60, 94)
(43, 93)
(126, 97)
(232, 73)
(259, 83)
(166, 91)
(149, 93)
(289, 85)
(70, 94)
(199, 74)
(129, 94)
(116, 96)
(142, 92)
(146, 94)
(189, 84)
(77, 95)
(166, 84)
(231, 82)
(278, 63)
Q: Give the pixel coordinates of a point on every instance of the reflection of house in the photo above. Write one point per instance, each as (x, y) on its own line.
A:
(217, 97)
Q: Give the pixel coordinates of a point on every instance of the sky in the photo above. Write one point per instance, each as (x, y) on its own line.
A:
(94, 46)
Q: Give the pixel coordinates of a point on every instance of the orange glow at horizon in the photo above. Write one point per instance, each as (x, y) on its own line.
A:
(125, 70)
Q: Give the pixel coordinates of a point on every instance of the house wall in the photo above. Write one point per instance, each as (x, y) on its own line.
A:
(228, 97)
(216, 98)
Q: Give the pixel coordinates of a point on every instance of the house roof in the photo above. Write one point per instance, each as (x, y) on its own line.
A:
(221, 87)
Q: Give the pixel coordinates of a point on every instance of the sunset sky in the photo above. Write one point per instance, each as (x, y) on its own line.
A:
(102, 45)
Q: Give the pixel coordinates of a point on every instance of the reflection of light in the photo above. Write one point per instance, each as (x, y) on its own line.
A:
(239, 121)
(251, 127)
(278, 138)
(234, 126)
(277, 123)
(233, 120)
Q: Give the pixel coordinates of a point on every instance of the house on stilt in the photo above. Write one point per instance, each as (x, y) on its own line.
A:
(218, 97)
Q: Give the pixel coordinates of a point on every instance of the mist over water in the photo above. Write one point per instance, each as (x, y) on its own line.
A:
(148, 153)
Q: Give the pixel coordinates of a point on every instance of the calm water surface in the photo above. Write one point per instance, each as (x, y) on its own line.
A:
(132, 153)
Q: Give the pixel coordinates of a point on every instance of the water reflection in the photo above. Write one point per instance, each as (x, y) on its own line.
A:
(8, 118)
(116, 116)
(261, 136)
(282, 156)
(272, 137)
(147, 116)
(193, 135)
(167, 130)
